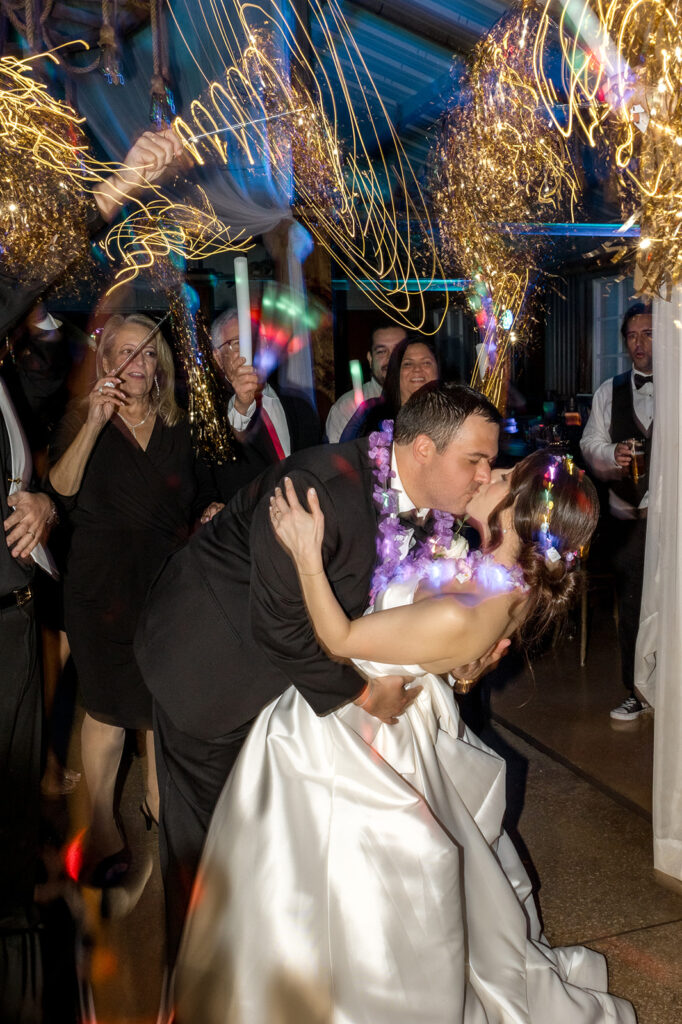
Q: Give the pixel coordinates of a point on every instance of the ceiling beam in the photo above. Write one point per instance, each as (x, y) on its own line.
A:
(405, 15)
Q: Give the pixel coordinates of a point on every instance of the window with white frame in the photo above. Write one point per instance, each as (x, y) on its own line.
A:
(611, 297)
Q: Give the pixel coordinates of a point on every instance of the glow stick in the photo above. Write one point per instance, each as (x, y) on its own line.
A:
(482, 359)
(356, 377)
(241, 282)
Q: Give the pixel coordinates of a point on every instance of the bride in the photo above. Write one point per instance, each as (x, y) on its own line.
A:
(357, 872)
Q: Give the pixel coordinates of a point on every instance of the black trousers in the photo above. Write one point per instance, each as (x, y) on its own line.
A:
(21, 710)
(192, 773)
(628, 541)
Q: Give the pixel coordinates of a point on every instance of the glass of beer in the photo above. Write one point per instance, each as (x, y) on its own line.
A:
(637, 467)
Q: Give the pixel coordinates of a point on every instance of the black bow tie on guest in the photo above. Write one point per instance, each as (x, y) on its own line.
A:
(641, 380)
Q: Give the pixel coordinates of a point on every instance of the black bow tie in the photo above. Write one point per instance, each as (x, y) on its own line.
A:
(641, 380)
(412, 517)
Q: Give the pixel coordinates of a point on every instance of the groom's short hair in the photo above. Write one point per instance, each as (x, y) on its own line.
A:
(439, 410)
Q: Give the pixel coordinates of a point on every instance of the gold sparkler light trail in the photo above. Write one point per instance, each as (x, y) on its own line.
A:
(622, 63)
(499, 164)
(48, 176)
(359, 198)
(162, 228)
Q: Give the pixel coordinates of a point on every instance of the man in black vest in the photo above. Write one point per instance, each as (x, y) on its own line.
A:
(225, 629)
(622, 419)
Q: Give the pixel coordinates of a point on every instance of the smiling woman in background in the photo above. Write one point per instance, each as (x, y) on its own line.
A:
(413, 363)
(126, 477)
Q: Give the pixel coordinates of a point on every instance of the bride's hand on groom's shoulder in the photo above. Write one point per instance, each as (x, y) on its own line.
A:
(298, 531)
(386, 697)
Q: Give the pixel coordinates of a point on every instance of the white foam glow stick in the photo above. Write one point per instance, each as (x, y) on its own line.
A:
(356, 378)
(241, 281)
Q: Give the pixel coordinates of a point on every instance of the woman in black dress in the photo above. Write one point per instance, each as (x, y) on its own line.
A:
(412, 364)
(127, 480)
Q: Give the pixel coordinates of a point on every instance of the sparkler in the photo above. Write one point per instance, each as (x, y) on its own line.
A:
(47, 165)
(344, 194)
(245, 124)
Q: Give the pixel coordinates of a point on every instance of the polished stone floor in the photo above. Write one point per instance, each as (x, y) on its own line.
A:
(579, 806)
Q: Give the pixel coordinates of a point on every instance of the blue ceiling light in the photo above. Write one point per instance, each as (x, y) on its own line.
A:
(576, 230)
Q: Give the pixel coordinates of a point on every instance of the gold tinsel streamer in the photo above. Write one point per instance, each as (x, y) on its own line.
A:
(498, 165)
(211, 432)
(618, 56)
(43, 208)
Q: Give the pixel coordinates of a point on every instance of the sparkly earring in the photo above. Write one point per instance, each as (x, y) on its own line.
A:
(158, 389)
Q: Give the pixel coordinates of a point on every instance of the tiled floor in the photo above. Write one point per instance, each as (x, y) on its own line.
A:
(579, 796)
(586, 816)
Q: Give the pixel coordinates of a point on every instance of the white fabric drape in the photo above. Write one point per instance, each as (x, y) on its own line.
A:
(658, 669)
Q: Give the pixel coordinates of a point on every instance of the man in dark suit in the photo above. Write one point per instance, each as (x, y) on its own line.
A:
(26, 518)
(225, 629)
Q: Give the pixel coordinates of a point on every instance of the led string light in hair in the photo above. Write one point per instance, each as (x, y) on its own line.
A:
(547, 541)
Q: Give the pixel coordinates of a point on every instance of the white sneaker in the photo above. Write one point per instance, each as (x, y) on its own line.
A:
(630, 709)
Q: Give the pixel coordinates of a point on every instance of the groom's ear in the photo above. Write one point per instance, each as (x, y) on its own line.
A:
(423, 449)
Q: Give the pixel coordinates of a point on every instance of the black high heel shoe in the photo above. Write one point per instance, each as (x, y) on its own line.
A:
(149, 818)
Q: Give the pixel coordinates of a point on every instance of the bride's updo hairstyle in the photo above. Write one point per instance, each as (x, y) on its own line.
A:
(554, 513)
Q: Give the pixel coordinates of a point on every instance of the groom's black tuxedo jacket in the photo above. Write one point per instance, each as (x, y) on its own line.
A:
(225, 629)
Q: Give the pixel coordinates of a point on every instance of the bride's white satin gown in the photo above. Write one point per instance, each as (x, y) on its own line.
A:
(357, 873)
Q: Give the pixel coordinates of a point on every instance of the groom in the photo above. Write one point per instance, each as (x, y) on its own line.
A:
(225, 629)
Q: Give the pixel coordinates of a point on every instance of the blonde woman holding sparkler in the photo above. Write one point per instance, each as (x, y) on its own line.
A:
(128, 482)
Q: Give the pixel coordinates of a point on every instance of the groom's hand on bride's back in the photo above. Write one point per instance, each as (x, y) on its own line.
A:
(386, 697)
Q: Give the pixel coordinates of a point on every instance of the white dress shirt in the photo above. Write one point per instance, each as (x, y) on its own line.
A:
(405, 503)
(597, 446)
(273, 407)
(343, 408)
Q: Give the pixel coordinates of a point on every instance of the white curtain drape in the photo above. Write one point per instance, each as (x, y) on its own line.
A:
(659, 645)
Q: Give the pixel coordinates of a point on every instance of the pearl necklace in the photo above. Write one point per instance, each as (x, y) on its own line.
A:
(132, 427)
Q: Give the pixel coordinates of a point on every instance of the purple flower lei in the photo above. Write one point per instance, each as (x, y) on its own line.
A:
(429, 559)
(392, 534)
